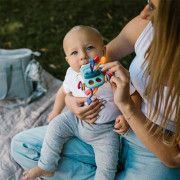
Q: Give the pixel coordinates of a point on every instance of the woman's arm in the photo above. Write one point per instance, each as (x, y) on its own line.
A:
(137, 119)
(124, 43)
(154, 142)
(136, 98)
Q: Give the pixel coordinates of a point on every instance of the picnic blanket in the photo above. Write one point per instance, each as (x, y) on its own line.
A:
(13, 121)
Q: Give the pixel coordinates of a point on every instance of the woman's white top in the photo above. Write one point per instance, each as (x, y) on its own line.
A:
(137, 73)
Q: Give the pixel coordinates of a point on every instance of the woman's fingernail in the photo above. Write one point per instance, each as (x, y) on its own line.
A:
(101, 100)
(102, 107)
(102, 70)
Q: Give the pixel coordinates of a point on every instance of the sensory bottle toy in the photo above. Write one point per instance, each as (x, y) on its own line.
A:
(93, 77)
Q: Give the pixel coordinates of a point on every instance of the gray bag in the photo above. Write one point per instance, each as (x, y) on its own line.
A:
(16, 81)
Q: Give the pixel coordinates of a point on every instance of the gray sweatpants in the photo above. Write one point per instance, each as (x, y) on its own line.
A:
(101, 137)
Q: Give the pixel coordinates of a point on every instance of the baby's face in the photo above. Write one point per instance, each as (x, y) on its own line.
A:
(81, 45)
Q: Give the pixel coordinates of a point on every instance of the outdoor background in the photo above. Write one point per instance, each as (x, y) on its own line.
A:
(41, 25)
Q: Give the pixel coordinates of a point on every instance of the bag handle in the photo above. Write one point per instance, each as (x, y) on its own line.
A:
(35, 53)
(7, 81)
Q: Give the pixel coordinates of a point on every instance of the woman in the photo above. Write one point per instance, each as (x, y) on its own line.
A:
(150, 149)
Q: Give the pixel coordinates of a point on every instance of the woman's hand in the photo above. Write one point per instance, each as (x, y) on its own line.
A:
(120, 84)
(86, 113)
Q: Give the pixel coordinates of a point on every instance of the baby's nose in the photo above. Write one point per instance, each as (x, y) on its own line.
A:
(83, 55)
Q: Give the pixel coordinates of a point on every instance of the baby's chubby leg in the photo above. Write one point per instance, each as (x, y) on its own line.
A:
(106, 157)
(36, 172)
(105, 143)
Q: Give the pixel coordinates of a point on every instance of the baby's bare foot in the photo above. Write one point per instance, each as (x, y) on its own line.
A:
(36, 172)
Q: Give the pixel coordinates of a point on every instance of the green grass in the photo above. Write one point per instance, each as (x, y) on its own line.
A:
(41, 25)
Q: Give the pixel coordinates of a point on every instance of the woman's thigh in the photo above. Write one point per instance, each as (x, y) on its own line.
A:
(140, 164)
(77, 156)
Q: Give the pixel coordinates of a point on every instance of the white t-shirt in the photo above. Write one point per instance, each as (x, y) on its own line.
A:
(110, 111)
(137, 73)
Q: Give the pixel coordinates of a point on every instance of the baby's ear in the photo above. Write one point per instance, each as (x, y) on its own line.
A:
(104, 50)
(66, 59)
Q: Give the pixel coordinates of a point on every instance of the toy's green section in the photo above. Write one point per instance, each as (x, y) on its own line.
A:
(94, 79)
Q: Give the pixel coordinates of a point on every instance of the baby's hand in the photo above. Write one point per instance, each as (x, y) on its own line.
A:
(52, 115)
(121, 126)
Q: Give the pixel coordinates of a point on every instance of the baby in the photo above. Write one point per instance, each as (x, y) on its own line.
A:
(80, 44)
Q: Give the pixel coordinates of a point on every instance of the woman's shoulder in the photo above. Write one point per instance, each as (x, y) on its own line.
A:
(134, 28)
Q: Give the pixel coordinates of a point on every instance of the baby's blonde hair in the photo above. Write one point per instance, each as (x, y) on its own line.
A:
(79, 27)
(83, 27)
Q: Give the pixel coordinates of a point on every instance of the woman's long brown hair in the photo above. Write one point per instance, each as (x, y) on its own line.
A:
(163, 67)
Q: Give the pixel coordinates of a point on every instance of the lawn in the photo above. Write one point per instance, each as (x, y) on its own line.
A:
(41, 25)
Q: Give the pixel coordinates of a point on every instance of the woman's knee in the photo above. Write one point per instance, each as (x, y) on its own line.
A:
(28, 137)
(16, 139)
(16, 144)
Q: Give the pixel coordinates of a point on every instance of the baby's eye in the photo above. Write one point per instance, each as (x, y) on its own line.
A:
(90, 47)
(74, 53)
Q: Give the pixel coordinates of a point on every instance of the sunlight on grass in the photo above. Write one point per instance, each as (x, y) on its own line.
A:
(10, 28)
